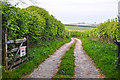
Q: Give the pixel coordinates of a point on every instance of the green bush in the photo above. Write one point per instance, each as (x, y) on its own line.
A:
(44, 32)
(106, 32)
(33, 21)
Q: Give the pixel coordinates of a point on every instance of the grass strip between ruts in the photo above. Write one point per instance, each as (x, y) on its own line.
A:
(66, 68)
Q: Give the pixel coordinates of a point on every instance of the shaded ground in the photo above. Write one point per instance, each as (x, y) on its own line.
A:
(48, 68)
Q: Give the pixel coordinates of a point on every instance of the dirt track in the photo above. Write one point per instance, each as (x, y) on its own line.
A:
(84, 65)
(48, 68)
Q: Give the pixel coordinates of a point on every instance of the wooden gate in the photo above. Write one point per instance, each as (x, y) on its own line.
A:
(15, 52)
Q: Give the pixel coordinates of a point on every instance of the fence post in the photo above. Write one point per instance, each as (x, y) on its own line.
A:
(118, 47)
(5, 48)
(0, 41)
(118, 25)
(27, 45)
(0, 45)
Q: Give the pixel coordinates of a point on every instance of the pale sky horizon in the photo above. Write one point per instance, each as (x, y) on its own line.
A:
(74, 11)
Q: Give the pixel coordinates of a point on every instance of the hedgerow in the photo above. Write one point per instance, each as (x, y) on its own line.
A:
(33, 21)
(106, 32)
(44, 32)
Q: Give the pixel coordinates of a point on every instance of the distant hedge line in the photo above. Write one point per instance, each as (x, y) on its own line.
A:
(33, 21)
(107, 31)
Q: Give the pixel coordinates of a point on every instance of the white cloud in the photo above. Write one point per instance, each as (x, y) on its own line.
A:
(77, 10)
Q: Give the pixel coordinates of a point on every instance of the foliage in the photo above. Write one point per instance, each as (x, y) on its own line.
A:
(67, 33)
(78, 28)
(37, 55)
(76, 33)
(66, 69)
(33, 21)
(106, 32)
(52, 28)
(43, 30)
(75, 25)
(104, 56)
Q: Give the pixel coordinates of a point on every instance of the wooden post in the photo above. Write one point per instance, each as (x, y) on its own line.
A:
(0, 45)
(118, 55)
(27, 46)
(5, 49)
(119, 47)
(118, 25)
(0, 41)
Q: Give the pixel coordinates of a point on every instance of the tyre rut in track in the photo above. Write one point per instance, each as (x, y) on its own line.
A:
(48, 68)
(84, 65)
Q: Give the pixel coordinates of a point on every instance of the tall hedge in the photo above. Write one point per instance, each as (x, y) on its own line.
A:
(106, 32)
(33, 21)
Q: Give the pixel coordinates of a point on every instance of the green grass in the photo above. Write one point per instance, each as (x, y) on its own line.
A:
(77, 28)
(104, 56)
(37, 55)
(66, 68)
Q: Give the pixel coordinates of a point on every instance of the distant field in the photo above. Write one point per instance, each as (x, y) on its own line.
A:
(77, 28)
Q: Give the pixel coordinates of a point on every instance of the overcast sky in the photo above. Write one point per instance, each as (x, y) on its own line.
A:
(74, 11)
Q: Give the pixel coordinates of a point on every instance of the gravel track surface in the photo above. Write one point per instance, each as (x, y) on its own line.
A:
(84, 65)
(49, 67)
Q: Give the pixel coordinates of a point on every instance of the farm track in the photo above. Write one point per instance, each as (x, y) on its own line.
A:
(49, 67)
(84, 65)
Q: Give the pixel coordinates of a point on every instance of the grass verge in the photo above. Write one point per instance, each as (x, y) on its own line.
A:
(66, 68)
(104, 56)
(37, 55)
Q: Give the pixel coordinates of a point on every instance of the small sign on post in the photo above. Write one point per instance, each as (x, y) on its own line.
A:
(22, 51)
